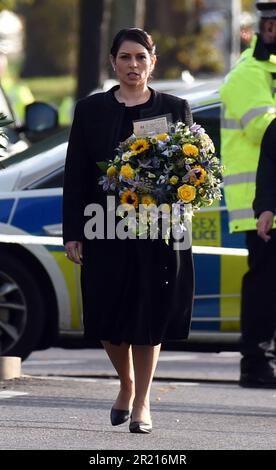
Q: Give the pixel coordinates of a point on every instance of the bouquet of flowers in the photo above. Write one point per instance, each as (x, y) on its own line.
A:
(176, 170)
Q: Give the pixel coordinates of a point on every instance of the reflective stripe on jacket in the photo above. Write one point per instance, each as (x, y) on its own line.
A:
(248, 107)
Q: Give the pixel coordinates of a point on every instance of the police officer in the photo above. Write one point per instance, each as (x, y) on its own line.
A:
(265, 200)
(249, 123)
(18, 93)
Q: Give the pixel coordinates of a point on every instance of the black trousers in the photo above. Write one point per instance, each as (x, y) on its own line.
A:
(258, 303)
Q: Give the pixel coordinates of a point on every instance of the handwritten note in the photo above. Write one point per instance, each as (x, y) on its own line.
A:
(147, 127)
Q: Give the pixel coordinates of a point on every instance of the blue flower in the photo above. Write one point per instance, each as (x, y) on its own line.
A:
(146, 164)
(195, 127)
(160, 193)
(155, 162)
(105, 181)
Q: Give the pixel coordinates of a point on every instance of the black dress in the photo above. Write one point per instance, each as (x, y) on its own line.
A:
(134, 291)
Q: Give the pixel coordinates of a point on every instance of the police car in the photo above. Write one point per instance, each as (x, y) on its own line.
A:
(40, 296)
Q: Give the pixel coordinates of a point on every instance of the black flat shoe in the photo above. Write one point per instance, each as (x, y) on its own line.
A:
(119, 416)
(140, 427)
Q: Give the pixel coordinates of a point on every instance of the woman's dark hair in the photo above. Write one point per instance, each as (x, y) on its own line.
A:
(135, 35)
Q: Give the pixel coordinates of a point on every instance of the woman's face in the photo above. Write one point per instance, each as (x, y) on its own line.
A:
(133, 64)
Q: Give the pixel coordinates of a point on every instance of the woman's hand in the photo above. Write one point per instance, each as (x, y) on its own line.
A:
(264, 225)
(74, 252)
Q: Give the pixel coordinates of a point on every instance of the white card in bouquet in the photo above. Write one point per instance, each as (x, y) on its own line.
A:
(151, 126)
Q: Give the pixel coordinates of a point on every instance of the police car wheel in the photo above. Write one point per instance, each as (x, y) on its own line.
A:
(22, 313)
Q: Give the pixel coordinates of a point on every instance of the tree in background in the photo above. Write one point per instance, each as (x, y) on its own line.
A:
(7, 4)
(50, 36)
(74, 36)
(91, 16)
(184, 42)
(100, 20)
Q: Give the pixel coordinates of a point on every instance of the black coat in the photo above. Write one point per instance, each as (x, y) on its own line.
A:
(265, 199)
(137, 291)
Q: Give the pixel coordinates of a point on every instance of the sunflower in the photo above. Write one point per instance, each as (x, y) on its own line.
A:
(130, 197)
(199, 176)
(139, 146)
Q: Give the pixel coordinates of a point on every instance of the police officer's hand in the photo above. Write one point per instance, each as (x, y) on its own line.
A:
(74, 251)
(264, 225)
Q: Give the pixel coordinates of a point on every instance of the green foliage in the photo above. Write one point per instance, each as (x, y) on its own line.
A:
(103, 166)
(194, 52)
(184, 41)
(51, 89)
(7, 4)
(197, 52)
(12, 4)
(248, 5)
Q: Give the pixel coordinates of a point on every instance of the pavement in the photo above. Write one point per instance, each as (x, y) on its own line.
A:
(172, 365)
(63, 412)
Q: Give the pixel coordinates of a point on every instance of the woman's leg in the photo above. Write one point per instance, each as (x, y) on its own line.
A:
(144, 361)
(121, 358)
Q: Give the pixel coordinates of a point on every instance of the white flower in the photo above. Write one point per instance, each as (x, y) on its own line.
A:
(126, 156)
(207, 143)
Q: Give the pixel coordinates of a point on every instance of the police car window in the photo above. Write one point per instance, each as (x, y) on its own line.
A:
(53, 180)
(209, 118)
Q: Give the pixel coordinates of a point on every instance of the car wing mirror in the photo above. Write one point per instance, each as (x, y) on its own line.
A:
(40, 117)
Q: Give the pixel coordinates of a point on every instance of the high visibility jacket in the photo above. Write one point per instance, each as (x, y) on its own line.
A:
(19, 95)
(248, 107)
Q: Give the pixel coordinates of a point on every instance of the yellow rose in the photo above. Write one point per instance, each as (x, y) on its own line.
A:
(111, 171)
(147, 200)
(190, 150)
(127, 172)
(186, 193)
(174, 179)
(161, 136)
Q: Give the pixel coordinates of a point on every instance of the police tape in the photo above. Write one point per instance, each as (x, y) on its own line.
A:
(57, 241)
(30, 240)
(214, 250)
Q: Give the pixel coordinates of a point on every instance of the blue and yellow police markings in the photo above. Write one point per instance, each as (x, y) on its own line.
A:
(5, 209)
(207, 232)
(32, 215)
(232, 269)
(218, 277)
(207, 227)
(71, 273)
